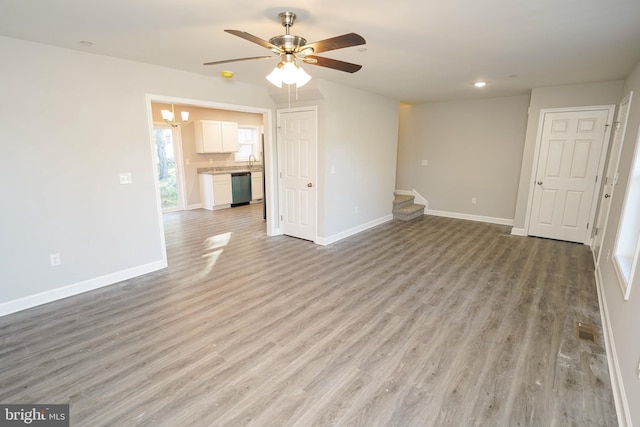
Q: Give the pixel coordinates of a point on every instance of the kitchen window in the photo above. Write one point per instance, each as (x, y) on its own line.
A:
(248, 137)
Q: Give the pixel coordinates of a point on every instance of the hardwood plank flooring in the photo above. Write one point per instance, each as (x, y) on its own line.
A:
(433, 322)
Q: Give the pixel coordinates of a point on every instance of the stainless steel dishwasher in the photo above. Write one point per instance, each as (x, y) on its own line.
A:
(241, 188)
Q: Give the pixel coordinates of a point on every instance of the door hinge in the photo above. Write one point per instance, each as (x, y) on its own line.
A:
(596, 178)
(596, 232)
(606, 179)
(587, 226)
(281, 218)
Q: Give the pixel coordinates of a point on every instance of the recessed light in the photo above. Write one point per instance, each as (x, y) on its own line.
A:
(480, 84)
(86, 43)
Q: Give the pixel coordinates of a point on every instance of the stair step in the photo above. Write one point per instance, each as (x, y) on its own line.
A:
(408, 212)
(400, 200)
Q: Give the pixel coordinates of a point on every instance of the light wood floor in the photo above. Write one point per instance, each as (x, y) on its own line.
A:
(435, 322)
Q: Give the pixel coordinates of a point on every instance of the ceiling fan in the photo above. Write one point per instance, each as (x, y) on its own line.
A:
(290, 48)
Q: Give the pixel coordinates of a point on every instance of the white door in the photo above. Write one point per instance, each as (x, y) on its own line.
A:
(611, 177)
(565, 181)
(297, 135)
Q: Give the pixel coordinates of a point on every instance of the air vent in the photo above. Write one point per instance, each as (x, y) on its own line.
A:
(586, 332)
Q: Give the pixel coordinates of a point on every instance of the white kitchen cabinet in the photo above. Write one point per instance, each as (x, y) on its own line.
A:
(216, 137)
(256, 186)
(215, 190)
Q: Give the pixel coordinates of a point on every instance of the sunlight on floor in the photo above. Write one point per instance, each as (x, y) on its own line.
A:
(216, 245)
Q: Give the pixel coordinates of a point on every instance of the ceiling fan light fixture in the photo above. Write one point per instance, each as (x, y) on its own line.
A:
(302, 78)
(275, 77)
(288, 72)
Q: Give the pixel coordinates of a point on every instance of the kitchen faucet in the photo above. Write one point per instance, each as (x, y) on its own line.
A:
(251, 161)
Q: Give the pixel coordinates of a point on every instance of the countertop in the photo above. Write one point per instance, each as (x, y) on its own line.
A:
(217, 170)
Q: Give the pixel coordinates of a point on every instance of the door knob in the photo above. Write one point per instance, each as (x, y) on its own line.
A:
(539, 182)
(606, 196)
(309, 185)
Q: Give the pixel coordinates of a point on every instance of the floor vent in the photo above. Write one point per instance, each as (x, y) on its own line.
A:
(586, 332)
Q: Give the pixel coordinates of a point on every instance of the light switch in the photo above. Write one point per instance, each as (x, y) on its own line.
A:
(425, 162)
(125, 178)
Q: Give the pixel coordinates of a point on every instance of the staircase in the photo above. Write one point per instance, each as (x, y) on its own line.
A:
(404, 209)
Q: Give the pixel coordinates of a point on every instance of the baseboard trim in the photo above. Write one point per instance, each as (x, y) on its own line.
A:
(324, 241)
(518, 231)
(78, 288)
(192, 207)
(478, 218)
(617, 386)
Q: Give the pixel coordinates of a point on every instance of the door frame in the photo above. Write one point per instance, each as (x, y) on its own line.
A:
(536, 157)
(314, 109)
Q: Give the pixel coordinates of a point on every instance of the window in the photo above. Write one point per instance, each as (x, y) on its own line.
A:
(247, 143)
(627, 248)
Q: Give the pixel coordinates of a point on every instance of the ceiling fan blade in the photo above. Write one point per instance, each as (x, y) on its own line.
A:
(338, 42)
(332, 63)
(238, 59)
(252, 38)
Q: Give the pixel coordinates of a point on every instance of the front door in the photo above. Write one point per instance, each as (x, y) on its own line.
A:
(297, 136)
(571, 147)
(611, 178)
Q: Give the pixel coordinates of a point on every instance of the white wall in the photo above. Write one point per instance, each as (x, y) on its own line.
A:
(624, 316)
(71, 123)
(473, 149)
(579, 95)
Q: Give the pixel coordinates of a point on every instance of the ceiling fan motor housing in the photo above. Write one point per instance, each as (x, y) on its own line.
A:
(288, 43)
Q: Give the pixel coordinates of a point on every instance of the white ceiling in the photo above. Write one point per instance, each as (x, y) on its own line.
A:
(416, 51)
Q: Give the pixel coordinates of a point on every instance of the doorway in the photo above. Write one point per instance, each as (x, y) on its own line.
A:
(270, 162)
(570, 159)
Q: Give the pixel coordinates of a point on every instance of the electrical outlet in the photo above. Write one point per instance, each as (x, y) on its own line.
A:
(425, 163)
(474, 201)
(55, 260)
(125, 178)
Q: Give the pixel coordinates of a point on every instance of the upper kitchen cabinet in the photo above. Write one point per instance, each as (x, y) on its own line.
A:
(214, 136)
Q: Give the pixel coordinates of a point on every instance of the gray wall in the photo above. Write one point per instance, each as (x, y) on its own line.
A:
(71, 123)
(359, 143)
(581, 95)
(624, 316)
(473, 149)
(357, 146)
